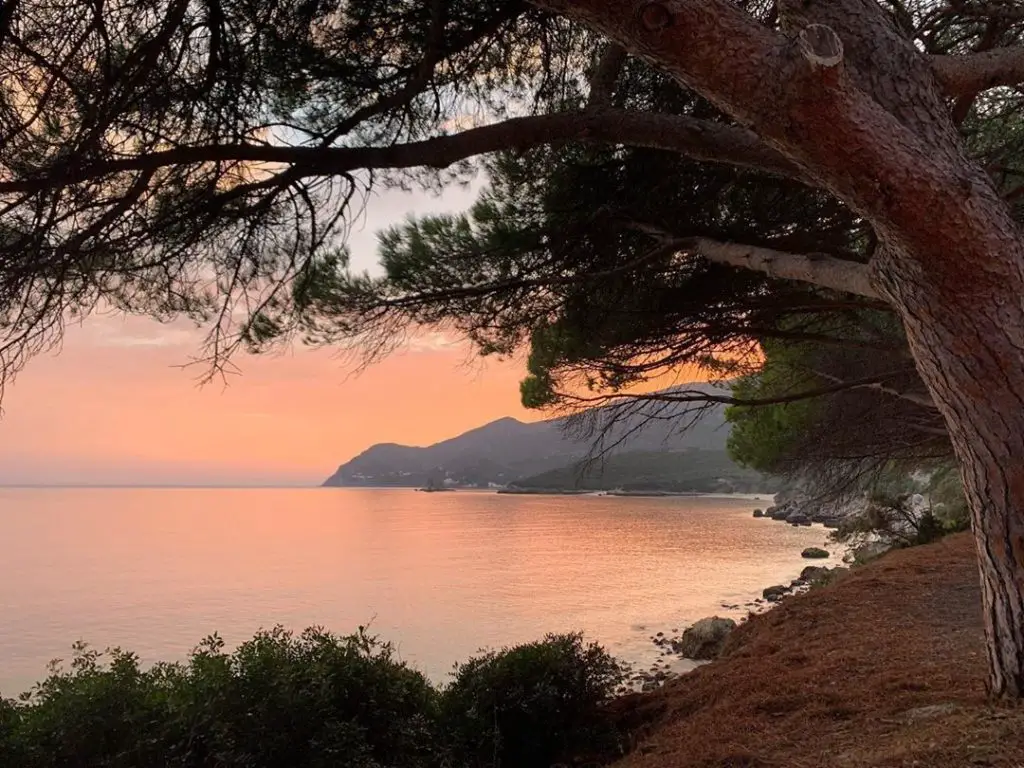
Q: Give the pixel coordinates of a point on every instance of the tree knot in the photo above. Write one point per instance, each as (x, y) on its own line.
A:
(655, 16)
(821, 46)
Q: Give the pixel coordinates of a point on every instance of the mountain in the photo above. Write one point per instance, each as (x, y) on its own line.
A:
(507, 450)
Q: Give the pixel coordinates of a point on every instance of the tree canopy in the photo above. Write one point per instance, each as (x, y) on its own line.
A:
(204, 159)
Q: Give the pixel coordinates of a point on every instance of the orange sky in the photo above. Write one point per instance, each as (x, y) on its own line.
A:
(113, 407)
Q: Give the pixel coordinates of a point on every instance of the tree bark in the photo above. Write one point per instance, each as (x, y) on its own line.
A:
(968, 342)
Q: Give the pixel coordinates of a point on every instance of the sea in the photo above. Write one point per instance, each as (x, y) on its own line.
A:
(440, 575)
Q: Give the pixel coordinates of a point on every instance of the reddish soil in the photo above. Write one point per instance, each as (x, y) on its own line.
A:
(838, 677)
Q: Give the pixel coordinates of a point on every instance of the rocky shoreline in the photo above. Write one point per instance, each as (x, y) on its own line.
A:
(796, 513)
(705, 639)
(800, 506)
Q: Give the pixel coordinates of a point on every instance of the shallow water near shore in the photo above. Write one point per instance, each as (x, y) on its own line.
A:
(440, 575)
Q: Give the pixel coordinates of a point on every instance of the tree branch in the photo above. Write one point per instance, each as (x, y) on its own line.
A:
(697, 396)
(519, 283)
(962, 105)
(817, 269)
(911, 397)
(421, 76)
(712, 46)
(700, 139)
(1007, 11)
(974, 72)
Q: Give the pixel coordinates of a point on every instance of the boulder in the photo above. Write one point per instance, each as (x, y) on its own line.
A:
(798, 518)
(774, 594)
(814, 553)
(758, 513)
(814, 573)
(868, 551)
(704, 640)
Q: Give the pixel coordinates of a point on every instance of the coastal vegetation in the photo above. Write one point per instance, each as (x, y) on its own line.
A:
(316, 700)
(695, 471)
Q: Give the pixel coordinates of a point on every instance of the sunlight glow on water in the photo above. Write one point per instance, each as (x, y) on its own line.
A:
(441, 575)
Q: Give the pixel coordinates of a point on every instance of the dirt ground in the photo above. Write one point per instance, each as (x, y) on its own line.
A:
(883, 668)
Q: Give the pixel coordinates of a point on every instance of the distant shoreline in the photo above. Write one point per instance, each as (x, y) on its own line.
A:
(763, 496)
(766, 496)
(155, 487)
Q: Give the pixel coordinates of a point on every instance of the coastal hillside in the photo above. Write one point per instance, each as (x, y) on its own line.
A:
(508, 450)
(695, 470)
(883, 669)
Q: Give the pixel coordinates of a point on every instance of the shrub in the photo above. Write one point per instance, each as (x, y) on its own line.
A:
(946, 491)
(532, 705)
(904, 508)
(279, 700)
(907, 519)
(311, 701)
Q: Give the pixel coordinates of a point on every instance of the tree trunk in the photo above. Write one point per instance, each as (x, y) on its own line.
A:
(967, 336)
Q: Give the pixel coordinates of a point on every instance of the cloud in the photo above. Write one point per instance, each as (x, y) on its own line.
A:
(135, 332)
(170, 339)
(433, 341)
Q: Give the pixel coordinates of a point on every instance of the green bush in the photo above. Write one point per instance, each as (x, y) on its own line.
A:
(314, 700)
(946, 491)
(278, 700)
(532, 705)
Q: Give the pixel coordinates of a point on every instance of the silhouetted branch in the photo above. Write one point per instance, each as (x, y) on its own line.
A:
(695, 138)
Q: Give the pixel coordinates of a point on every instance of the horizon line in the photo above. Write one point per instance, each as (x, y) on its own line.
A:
(185, 485)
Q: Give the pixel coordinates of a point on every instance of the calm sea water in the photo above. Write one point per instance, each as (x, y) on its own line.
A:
(441, 575)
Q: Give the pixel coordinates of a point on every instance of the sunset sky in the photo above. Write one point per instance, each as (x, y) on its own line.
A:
(114, 407)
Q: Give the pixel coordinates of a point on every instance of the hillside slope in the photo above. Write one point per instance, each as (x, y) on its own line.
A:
(507, 449)
(885, 668)
(695, 470)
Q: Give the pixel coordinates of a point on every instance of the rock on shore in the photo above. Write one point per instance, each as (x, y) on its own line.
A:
(775, 593)
(704, 640)
(812, 553)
